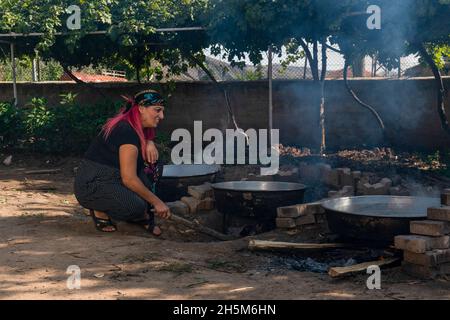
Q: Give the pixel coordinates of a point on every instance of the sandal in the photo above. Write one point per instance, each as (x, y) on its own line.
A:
(101, 224)
(148, 224)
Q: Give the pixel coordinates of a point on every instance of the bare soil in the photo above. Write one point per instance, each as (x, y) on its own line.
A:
(43, 231)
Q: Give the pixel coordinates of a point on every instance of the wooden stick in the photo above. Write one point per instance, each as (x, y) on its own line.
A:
(337, 272)
(201, 228)
(45, 171)
(273, 245)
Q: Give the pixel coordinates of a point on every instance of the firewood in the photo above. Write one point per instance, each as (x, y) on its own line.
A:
(274, 245)
(336, 272)
(44, 171)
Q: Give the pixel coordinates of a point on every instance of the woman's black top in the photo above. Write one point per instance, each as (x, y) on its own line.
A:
(107, 151)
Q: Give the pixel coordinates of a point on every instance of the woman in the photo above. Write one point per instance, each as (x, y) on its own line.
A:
(117, 177)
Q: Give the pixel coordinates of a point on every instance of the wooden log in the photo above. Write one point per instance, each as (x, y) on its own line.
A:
(201, 228)
(275, 245)
(337, 272)
(44, 171)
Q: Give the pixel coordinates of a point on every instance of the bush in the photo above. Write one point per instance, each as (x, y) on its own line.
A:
(64, 129)
(11, 126)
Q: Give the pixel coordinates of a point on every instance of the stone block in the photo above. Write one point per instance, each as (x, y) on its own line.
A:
(206, 204)
(445, 197)
(429, 258)
(430, 228)
(421, 244)
(201, 192)
(439, 213)
(285, 223)
(192, 203)
(424, 272)
(306, 219)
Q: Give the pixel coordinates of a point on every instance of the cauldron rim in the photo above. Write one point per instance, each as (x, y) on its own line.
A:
(332, 204)
(228, 186)
(213, 169)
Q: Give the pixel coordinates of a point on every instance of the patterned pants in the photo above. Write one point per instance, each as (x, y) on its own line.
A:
(99, 187)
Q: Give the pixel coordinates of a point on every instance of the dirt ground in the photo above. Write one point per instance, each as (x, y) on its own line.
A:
(43, 231)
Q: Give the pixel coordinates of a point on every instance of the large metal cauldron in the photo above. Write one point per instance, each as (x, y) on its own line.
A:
(257, 200)
(375, 218)
(176, 178)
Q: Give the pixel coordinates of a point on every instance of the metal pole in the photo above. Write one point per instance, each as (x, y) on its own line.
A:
(270, 75)
(13, 64)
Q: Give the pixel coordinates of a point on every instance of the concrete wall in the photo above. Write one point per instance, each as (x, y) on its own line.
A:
(408, 108)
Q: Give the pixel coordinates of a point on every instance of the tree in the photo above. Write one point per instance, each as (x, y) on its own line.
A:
(130, 31)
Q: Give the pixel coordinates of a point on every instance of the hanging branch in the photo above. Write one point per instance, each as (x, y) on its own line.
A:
(360, 102)
(312, 62)
(219, 85)
(322, 96)
(439, 86)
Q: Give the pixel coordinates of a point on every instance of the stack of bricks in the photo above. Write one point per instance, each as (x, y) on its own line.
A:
(426, 253)
(299, 215)
(201, 198)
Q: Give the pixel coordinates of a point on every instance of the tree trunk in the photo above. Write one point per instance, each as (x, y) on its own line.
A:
(439, 87)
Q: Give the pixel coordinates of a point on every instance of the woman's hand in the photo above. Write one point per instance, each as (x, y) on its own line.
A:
(151, 153)
(162, 210)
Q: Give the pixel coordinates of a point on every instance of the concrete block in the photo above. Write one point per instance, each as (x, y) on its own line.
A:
(376, 189)
(300, 210)
(201, 192)
(333, 194)
(445, 197)
(285, 223)
(206, 204)
(430, 228)
(345, 177)
(291, 175)
(357, 175)
(306, 219)
(429, 258)
(192, 203)
(424, 272)
(421, 244)
(439, 213)
(331, 178)
(386, 182)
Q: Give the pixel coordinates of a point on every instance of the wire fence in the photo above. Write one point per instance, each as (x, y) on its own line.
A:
(222, 70)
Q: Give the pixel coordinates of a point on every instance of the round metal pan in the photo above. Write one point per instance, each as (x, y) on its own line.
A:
(375, 218)
(258, 186)
(256, 200)
(176, 178)
(188, 170)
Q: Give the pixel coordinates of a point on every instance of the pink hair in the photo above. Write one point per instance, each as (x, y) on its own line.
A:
(132, 116)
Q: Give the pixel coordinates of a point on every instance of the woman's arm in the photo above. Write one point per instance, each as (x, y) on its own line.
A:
(128, 155)
(151, 152)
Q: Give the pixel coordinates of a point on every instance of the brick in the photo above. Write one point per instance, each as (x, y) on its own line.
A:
(429, 228)
(178, 207)
(331, 178)
(321, 218)
(439, 213)
(206, 204)
(201, 192)
(299, 210)
(285, 223)
(421, 244)
(345, 177)
(429, 258)
(424, 272)
(306, 219)
(445, 197)
(357, 174)
(192, 203)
